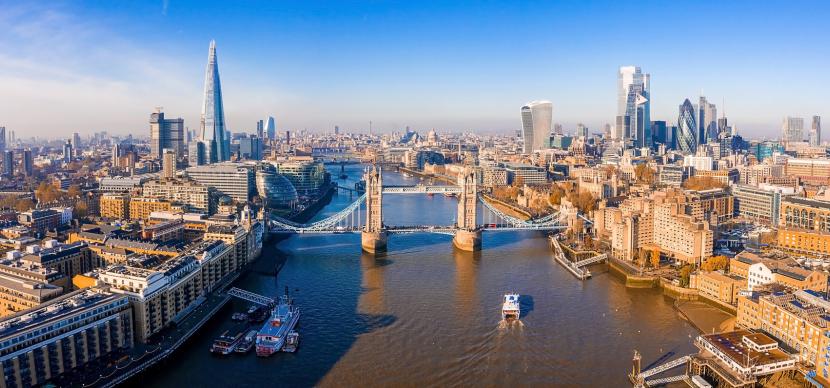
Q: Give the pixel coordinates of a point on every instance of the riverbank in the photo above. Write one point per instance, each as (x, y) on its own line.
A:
(704, 317)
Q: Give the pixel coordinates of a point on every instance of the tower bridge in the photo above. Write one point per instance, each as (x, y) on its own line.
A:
(365, 215)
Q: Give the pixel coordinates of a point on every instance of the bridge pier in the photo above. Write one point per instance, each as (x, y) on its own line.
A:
(373, 242)
(467, 240)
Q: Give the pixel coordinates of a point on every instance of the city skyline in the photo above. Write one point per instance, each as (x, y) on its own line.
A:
(306, 73)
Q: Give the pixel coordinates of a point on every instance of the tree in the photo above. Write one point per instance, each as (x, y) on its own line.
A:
(702, 183)
(655, 258)
(685, 274)
(644, 174)
(715, 263)
(46, 193)
(73, 191)
(24, 204)
(81, 210)
(589, 242)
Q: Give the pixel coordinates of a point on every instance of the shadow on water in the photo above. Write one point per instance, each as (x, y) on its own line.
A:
(336, 311)
(526, 304)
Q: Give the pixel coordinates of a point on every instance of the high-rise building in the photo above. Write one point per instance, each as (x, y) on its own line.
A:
(687, 130)
(196, 154)
(707, 121)
(815, 132)
(2, 139)
(168, 164)
(166, 134)
(792, 130)
(260, 129)
(8, 163)
(537, 117)
(582, 130)
(660, 133)
(76, 143)
(67, 151)
(28, 162)
(336, 130)
(633, 106)
(250, 147)
(271, 128)
(213, 113)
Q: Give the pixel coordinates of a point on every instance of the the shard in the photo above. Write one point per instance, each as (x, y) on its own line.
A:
(213, 113)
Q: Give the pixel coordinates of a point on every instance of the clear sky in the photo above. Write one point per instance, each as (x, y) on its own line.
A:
(78, 66)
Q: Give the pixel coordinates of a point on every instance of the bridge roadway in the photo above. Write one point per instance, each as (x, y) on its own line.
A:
(421, 189)
(404, 229)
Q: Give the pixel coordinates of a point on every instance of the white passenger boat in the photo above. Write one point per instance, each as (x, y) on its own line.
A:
(510, 309)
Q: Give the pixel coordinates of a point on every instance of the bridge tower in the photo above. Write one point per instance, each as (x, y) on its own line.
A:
(373, 237)
(468, 235)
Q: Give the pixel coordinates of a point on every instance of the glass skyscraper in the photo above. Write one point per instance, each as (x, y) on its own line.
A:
(707, 121)
(213, 113)
(633, 106)
(537, 117)
(687, 129)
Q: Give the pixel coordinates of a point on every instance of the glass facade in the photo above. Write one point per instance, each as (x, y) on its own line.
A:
(687, 128)
(275, 189)
(537, 118)
(213, 113)
(307, 176)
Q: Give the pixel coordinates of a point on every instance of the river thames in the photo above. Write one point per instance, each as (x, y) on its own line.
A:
(428, 314)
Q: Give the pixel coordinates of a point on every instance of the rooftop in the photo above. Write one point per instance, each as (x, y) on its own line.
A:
(732, 346)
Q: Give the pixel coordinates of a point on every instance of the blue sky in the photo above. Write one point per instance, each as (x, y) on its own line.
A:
(85, 66)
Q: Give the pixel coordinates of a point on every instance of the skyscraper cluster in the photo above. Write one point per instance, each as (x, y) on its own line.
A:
(633, 121)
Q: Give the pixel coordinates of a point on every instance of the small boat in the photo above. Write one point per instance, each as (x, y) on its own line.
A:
(430, 195)
(239, 316)
(226, 343)
(510, 309)
(291, 342)
(247, 342)
(258, 315)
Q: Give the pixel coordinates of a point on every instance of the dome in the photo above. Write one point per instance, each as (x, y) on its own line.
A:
(275, 189)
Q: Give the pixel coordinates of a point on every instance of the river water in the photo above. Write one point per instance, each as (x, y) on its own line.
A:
(427, 314)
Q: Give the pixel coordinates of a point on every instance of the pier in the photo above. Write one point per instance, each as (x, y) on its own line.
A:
(575, 268)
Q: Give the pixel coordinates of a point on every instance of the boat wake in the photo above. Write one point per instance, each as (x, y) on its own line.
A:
(507, 324)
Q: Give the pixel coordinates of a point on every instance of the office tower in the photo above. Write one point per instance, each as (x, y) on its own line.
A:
(536, 125)
(270, 128)
(660, 132)
(117, 153)
(8, 163)
(792, 130)
(196, 153)
(336, 130)
(260, 129)
(168, 164)
(13, 138)
(557, 128)
(2, 139)
(706, 121)
(581, 130)
(165, 133)
(687, 129)
(723, 126)
(28, 162)
(815, 132)
(633, 120)
(67, 151)
(250, 147)
(213, 113)
(671, 133)
(232, 179)
(76, 143)
(606, 132)
(287, 137)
